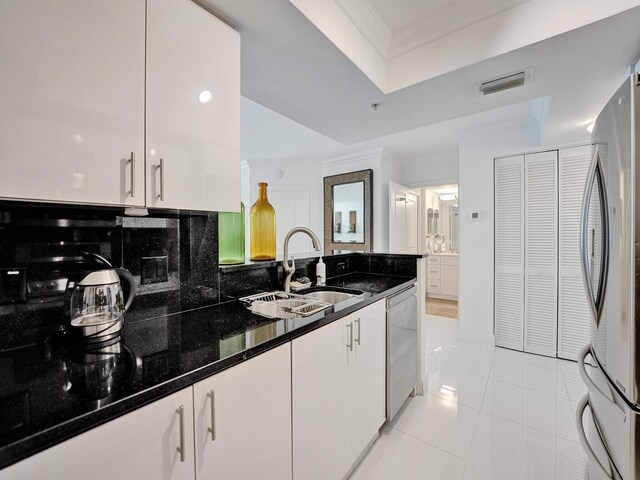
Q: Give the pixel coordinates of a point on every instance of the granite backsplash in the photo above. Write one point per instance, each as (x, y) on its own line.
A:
(44, 243)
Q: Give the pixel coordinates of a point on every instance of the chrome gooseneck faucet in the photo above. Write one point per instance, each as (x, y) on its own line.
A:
(289, 269)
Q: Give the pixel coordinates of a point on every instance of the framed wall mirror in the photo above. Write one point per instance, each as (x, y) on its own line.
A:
(348, 199)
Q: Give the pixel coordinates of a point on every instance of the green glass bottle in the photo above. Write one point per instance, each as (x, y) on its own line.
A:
(231, 237)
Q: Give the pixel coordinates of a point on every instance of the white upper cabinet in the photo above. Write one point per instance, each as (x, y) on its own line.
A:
(72, 101)
(193, 109)
(72, 104)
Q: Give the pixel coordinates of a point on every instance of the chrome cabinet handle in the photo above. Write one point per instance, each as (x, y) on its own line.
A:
(350, 344)
(180, 449)
(582, 405)
(161, 168)
(357, 322)
(132, 166)
(593, 388)
(212, 428)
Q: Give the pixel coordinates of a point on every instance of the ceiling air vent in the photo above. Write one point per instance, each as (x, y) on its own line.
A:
(504, 82)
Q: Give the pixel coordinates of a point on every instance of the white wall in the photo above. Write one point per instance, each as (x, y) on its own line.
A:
(299, 178)
(435, 169)
(476, 193)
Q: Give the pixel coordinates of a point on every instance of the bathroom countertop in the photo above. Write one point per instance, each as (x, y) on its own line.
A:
(49, 391)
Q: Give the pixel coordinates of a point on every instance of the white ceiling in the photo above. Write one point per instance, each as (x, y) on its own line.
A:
(290, 67)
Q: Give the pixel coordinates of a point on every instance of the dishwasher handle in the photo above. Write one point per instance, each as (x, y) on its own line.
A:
(401, 296)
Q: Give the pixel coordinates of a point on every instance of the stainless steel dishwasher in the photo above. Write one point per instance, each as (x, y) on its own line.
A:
(402, 348)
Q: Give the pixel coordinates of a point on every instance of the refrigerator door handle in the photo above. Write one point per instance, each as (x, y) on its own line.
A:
(582, 406)
(596, 300)
(619, 412)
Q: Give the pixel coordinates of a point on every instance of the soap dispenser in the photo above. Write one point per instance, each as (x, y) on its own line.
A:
(321, 273)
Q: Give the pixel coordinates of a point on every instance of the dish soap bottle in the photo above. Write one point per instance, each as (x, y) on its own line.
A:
(263, 227)
(231, 237)
(321, 273)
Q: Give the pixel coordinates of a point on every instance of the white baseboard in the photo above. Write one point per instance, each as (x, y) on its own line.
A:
(471, 336)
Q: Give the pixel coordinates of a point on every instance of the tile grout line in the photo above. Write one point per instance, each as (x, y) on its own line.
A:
(484, 395)
(427, 443)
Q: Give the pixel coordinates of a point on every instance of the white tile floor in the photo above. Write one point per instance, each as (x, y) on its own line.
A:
(513, 417)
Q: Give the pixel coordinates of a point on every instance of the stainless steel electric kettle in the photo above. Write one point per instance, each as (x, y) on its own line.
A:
(96, 299)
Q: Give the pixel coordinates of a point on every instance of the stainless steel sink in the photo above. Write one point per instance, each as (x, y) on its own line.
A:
(339, 298)
(329, 297)
(296, 305)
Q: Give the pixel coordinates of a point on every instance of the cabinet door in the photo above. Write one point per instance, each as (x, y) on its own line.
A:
(574, 316)
(248, 408)
(142, 445)
(72, 101)
(321, 412)
(193, 109)
(509, 252)
(449, 280)
(367, 375)
(541, 253)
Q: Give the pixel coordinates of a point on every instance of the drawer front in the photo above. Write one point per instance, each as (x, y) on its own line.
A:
(449, 260)
(433, 272)
(433, 285)
(433, 260)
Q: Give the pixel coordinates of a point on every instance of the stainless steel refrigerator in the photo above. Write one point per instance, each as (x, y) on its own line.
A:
(610, 257)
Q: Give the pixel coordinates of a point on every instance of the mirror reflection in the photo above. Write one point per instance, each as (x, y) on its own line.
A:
(348, 198)
(348, 212)
(442, 227)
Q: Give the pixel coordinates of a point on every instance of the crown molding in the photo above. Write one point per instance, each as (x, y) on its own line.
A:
(369, 154)
(430, 30)
(368, 21)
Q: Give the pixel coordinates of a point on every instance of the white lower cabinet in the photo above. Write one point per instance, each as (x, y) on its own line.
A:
(442, 276)
(243, 420)
(314, 403)
(338, 391)
(141, 445)
(251, 439)
(449, 280)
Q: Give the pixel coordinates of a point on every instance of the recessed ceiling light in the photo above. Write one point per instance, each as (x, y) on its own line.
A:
(448, 196)
(205, 96)
(590, 127)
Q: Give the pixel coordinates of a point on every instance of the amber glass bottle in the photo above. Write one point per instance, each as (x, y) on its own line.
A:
(263, 227)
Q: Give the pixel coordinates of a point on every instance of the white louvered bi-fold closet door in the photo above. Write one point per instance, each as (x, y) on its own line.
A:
(541, 253)
(574, 317)
(509, 252)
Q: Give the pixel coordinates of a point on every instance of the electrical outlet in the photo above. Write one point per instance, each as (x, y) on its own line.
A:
(154, 270)
(342, 267)
(13, 285)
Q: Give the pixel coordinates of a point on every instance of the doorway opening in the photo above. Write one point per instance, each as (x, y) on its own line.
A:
(441, 240)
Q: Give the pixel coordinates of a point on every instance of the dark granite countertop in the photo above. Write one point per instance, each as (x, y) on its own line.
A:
(51, 392)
